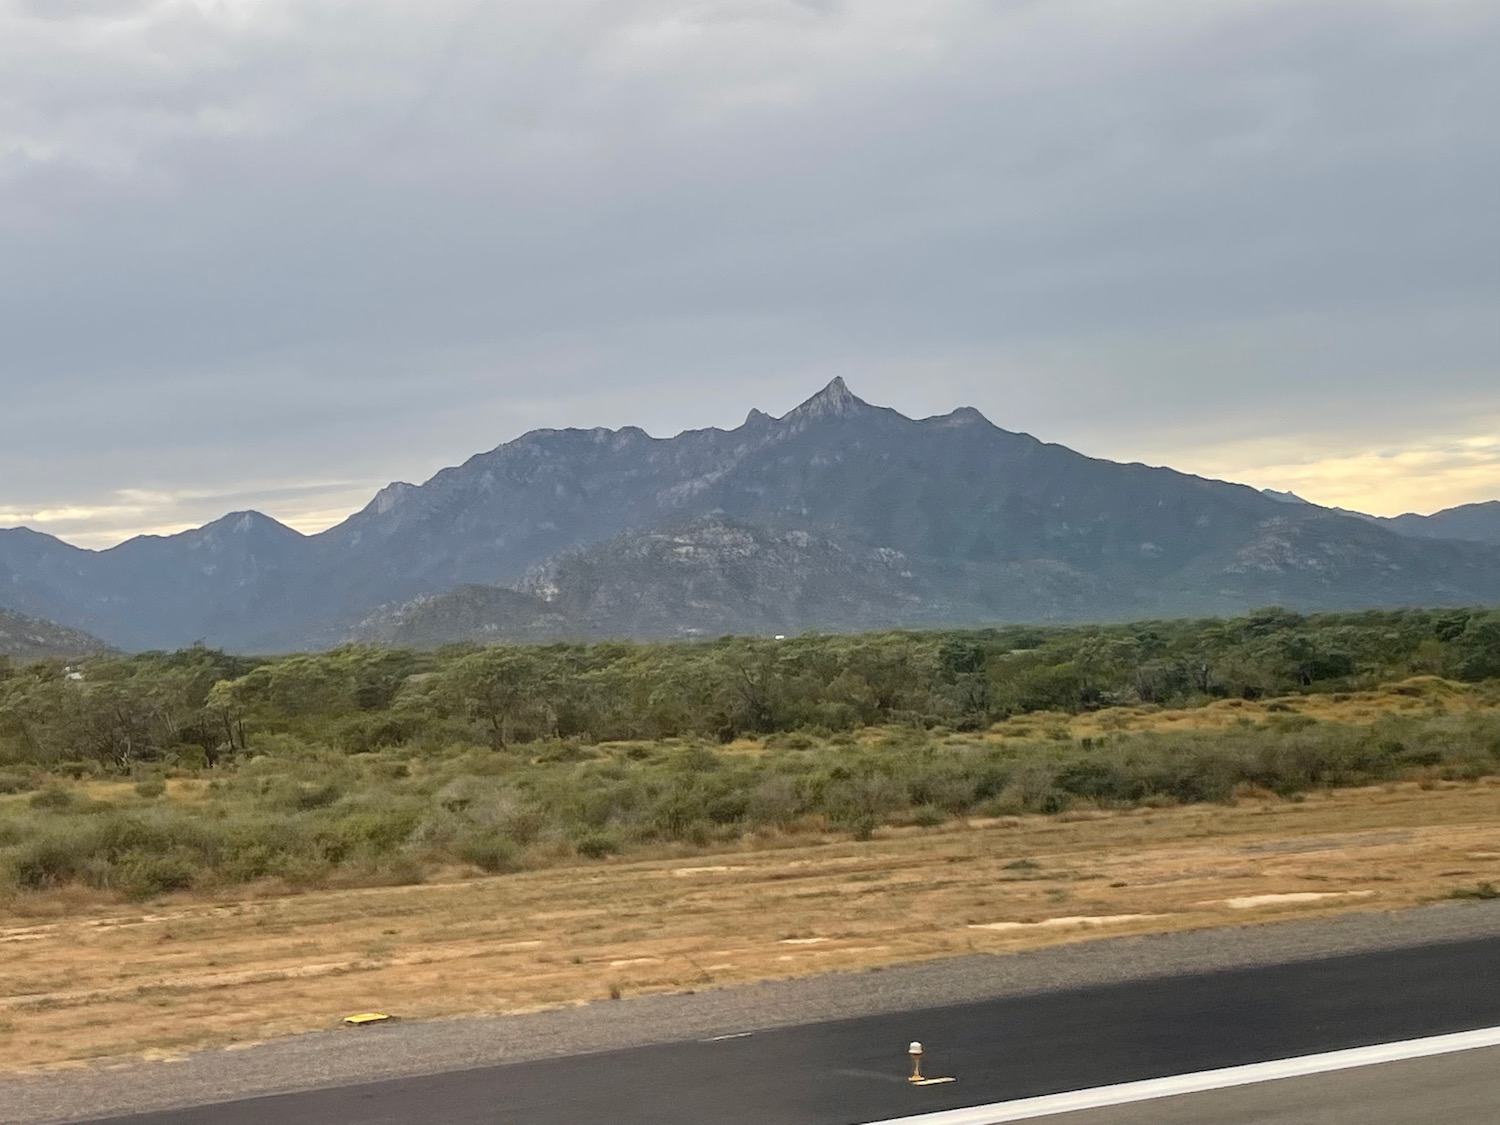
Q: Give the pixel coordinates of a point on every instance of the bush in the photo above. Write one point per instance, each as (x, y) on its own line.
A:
(145, 876)
(16, 783)
(597, 846)
(774, 800)
(929, 816)
(151, 787)
(46, 862)
(492, 854)
(54, 798)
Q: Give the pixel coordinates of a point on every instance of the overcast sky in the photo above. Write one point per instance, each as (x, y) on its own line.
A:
(276, 253)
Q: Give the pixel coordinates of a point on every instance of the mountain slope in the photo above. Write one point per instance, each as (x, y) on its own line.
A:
(29, 638)
(992, 525)
(703, 578)
(1475, 523)
(1470, 523)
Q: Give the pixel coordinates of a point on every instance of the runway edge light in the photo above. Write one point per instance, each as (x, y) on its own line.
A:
(915, 1051)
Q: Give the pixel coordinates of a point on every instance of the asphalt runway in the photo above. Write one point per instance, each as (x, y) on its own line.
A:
(1457, 1089)
(852, 1071)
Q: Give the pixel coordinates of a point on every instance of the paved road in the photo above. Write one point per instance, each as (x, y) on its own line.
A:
(1458, 1089)
(854, 1070)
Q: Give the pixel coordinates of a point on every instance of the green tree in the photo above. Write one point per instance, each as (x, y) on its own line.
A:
(499, 687)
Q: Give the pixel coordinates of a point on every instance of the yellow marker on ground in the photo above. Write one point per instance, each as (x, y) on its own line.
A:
(364, 1018)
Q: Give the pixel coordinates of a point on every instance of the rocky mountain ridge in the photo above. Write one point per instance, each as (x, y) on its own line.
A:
(838, 514)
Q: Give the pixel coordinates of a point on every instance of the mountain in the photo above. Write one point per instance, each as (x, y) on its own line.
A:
(705, 577)
(836, 515)
(29, 638)
(712, 576)
(1471, 523)
(218, 582)
(1475, 523)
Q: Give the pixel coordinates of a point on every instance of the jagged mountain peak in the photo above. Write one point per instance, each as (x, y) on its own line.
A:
(834, 401)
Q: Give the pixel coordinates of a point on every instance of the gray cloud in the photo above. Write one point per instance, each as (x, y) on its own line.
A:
(248, 247)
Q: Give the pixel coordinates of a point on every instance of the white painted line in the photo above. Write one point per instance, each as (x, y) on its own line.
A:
(732, 1035)
(1028, 1108)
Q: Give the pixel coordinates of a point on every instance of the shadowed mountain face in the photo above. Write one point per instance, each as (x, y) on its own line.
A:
(220, 582)
(838, 515)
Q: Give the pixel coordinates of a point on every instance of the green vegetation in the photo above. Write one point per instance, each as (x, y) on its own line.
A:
(1482, 892)
(158, 772)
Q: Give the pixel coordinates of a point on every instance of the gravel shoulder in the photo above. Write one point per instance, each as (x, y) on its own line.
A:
(349, 1057)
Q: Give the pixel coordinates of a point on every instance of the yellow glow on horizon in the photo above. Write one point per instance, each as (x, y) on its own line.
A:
(128, 513)
(1441, 472)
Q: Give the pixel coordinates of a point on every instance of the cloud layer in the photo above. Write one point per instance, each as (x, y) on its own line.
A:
(274, 253)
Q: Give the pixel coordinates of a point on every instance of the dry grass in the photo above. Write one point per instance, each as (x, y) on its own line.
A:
(1415, 696)
(81, 980)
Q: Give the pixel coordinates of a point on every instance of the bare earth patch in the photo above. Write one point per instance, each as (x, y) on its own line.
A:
(1250, 902)
(81, 982)
(1066, 921)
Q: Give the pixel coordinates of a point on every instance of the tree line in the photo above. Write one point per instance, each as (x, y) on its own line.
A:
(200, 707)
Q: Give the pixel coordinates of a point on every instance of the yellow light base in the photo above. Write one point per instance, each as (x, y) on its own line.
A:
(365, 1018)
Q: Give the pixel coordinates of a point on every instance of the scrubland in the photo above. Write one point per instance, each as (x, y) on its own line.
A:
(295, 818)
(201, 849)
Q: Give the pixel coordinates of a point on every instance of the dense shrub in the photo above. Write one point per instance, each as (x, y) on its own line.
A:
(15, 782)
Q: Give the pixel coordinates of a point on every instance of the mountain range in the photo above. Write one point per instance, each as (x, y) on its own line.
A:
(1474, 523)
(836, 515)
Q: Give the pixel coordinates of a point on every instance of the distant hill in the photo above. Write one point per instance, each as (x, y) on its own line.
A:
(1475, 523)
(707, 577)
(29, 638)
(1470, 523)
(838, 514)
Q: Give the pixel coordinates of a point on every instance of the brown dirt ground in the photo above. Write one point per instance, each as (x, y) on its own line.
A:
(79, 980)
